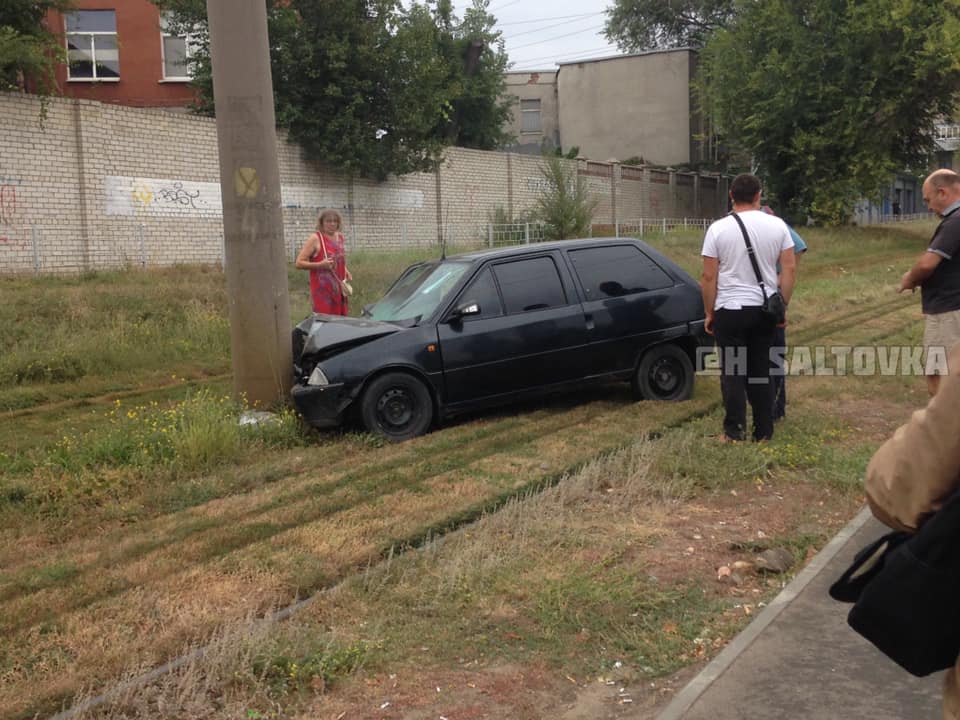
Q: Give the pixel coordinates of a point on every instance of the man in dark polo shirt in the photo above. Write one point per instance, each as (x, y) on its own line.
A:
(937, 271)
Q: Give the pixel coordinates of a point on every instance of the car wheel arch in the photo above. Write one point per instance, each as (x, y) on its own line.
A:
(406, 369)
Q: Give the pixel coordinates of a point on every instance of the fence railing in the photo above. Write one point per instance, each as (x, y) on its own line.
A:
(660, 226)
(37, 249)
(890, 218)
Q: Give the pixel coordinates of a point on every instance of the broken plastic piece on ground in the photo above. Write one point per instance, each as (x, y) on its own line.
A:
(260, 418)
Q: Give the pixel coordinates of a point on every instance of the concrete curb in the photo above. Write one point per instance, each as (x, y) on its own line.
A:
(696, 687)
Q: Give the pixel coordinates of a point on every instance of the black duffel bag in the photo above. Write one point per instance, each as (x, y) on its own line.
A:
(906, 593)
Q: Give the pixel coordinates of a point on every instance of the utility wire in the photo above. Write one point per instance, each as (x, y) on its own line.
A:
(498, 7)
(563, 57)
(527, 32)
(557, 17)
(556, 37)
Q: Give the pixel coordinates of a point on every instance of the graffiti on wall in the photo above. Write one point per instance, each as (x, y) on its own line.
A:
(8, 206)
(177, 198)
(8, 198)
(306, 198)
(155, 196)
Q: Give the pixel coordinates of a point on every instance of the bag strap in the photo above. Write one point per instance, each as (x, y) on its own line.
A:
(751, 254)
(323, 245)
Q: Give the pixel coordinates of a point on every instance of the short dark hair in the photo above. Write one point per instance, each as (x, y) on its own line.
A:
(744, 188)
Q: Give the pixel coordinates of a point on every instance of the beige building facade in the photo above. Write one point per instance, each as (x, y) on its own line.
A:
(613, 109)
(535, 122)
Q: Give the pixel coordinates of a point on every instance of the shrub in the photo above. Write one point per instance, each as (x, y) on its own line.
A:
(563, 208)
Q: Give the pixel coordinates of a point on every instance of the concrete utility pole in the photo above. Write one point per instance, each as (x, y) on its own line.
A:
(255, 258)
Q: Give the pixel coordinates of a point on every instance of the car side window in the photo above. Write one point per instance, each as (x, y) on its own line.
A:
(617, 270)
(482, 291)
(530, 284)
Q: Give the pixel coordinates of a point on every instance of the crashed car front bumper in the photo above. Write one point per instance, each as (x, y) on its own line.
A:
(321, 405)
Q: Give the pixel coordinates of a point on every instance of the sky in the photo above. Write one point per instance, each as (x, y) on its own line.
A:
(540, 33)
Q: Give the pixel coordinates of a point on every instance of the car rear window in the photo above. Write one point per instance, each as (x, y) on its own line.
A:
(530, 284)
(617, 270)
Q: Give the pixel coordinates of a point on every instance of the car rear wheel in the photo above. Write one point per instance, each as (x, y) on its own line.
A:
(664, 373)
(397, 406)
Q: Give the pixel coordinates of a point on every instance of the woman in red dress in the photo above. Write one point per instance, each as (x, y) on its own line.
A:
(323, 255)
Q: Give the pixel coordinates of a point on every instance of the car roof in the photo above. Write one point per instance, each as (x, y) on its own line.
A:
(512, 250)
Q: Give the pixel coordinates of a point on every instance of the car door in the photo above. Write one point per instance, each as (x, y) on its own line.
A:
(626, 302)
(529, 332)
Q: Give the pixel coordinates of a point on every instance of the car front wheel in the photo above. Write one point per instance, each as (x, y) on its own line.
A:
(397, 406)
(664, 373)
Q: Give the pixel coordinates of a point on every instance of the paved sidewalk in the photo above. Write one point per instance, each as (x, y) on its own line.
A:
(800, 659)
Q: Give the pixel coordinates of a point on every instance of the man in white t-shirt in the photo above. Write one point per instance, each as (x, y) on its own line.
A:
(733, 300)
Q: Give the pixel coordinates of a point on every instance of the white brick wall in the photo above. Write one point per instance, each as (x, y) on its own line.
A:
(96, 186)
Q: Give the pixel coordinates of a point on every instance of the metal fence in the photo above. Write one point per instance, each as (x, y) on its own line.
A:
(39, 249)
(883, 219)
(659, 226)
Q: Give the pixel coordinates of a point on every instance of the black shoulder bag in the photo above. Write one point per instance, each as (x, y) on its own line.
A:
(906, 588)
(774, 306)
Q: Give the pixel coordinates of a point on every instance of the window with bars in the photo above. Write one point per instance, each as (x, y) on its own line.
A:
(92, 50)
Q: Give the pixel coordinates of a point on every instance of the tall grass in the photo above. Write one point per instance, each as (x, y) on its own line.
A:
(135, 448)
(69, 337)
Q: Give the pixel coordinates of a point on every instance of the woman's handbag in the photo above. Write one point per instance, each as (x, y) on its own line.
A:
(906, 593)
(774, 306)
(345, 287)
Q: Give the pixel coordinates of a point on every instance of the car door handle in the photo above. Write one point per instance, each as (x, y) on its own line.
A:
(589, 318)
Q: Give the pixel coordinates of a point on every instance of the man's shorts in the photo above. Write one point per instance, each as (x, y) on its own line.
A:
(940, 333)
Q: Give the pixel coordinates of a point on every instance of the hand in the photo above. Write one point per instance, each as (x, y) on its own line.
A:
(708, 324)
(906, 283)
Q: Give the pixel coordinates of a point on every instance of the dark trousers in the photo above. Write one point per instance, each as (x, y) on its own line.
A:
(744, 338)
(778, 377)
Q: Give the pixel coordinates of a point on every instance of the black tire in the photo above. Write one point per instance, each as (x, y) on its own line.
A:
(397, 406)
(664, 373)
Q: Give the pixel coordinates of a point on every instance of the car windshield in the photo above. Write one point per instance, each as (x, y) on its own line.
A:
(418, 292)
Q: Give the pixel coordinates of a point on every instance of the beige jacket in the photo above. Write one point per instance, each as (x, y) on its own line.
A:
(916, 470)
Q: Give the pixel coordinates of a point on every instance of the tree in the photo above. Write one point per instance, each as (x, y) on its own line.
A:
(658, 24)
(564, 207)
(832, 97)
(29, 52)
(369, 87)
(477, 62)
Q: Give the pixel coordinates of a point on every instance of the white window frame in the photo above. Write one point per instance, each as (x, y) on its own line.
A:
(187, 42)
(529, 113)
(93, 45)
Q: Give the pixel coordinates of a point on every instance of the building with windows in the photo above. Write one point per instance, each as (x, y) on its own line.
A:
(535, 115)
(122, 54)
(615, 108)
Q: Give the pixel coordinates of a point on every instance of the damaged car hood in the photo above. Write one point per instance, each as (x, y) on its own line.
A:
(327, 333)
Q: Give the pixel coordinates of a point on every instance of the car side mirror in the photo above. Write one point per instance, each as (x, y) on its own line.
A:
(465, 310)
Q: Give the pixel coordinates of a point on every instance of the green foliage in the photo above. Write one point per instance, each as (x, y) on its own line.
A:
(474, 81)
(654, 24)
(370, 87)
(564, 207)
(314, 670)
(29, 52)
(180, 440)
(831, 97)
(570, 154)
